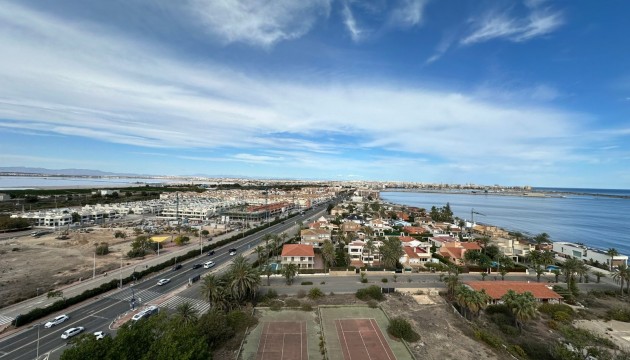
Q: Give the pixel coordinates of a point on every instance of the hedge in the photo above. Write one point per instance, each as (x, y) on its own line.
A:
(39, 313)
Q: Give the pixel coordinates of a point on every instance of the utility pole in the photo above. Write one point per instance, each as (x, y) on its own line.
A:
(121, 263)
(94, 268)
(179, 229)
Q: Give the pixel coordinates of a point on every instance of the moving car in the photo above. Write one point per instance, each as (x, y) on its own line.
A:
(208, 264)
(100, 335)
(56, 321)
(72, 332)
(163, 282)
(196, 266)
(232, 252)
(150, 310)
(211, 252)
(177, 267)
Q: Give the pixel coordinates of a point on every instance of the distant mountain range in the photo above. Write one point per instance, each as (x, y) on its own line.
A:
(70, 172)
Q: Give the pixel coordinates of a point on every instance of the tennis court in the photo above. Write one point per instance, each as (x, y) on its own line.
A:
(283, 340)
(362, 339)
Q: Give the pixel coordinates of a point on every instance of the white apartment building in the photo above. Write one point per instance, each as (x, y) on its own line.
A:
(50, 219)
(582, 252)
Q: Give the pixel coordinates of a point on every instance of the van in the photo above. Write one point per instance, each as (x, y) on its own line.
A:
(208, 264)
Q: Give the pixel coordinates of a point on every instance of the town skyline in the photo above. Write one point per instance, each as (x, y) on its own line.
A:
(509, 92)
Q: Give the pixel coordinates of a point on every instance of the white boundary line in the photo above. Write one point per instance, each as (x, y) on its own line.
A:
(343, 333)
(379, 338)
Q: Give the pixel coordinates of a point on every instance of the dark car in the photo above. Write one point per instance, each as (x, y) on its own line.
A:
(196, 266)
(232, 252)
(211, 253)
(177, 267)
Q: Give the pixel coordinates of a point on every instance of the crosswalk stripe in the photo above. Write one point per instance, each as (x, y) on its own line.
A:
(200, 305)
(127, 294)
(5, 319)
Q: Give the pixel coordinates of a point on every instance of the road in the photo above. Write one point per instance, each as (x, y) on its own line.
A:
(99, 314)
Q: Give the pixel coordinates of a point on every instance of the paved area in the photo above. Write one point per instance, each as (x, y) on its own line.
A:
(352, 322)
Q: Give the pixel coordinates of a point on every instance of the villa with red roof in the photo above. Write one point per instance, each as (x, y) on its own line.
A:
(301, 255)
(454, 251)
(496, 289)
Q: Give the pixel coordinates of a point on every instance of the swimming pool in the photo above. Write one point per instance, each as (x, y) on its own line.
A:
(552, 268)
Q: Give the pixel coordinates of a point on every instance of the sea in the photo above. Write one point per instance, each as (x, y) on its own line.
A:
(598, 218)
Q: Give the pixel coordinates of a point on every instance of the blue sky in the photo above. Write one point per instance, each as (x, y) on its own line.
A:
(488, 92)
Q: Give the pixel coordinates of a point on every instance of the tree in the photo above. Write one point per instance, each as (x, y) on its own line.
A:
(599, 275)
(620, 276)
(581, 270)
(260, 252)
(483, 276)
(328, 254)
(243, 279)
(569, 268)
(539, 272)
(289, 271)
(186, 313)
(612, 252)
(181, 240)
(391, 251)
(451, 282)
(370, 247)
(139, 246)
(205, 233)
(556, 273)
(76, 217)
(547, 258)
(522, 306)
(540, 239)
(212, 290)
(102, 249)
(268, 272)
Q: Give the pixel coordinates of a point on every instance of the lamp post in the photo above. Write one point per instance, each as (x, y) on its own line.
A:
(94, 267)
(121, 264)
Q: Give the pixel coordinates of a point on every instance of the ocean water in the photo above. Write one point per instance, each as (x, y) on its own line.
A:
(601, 222)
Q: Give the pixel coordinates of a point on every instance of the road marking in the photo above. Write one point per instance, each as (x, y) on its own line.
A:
(5, 319)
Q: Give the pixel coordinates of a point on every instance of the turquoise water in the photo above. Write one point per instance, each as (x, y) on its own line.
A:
(601, 222)
(552, 267)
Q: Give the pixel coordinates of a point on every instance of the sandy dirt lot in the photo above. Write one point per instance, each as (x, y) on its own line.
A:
(47, 263)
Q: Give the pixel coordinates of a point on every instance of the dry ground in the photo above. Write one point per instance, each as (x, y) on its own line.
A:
(47, 263)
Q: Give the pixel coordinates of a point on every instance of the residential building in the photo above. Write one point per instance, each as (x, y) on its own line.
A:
(582, 252)
(301, 255)
(360, 255)
(314, 237)
(455, 251)
(338, 211)
(416, 255)
(5, 197)
(350, 227)
(496, 290)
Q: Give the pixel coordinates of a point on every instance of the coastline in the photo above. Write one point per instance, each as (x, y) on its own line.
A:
(532, 193)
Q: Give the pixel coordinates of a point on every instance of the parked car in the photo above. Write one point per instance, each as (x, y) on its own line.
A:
(100, 335)
(56, 321)
(232, 252)
(163, 282)
(211, 252)
(72, 332)
(208, 264)
(148, 311)
(177, 267)
(196, 266)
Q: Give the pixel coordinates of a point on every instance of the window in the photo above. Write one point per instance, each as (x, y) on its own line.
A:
(302, 258)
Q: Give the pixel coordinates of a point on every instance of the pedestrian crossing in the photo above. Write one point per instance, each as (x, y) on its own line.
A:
(143, 295)
(200, 305)
(5, 320)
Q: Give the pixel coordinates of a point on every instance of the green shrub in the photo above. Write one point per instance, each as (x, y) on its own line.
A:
(307, 307)
(401, 328)
(276, 305)
(384, 280)
(370, 292)
(498, 309)
(561, 316)
(240, 320)
(292, 303)
(301, 294)
(490, 339)
(102, 249)
(271, 294)
(373, 304)
(517, 351)
(550, 309)
(364, 280)
(307, 283)
(619, 314)
(315, 293)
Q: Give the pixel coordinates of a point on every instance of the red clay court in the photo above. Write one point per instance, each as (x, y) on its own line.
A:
(362, 339)
(283, 340)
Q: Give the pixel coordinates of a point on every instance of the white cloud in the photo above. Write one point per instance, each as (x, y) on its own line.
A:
(71, 80)
(409, 13)
(261, 23)
(351, 24)
(442, 48)
(501, 25)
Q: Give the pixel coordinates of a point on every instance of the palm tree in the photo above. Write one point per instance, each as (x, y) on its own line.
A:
(451, 284)
(612, 252)
(581, 270)
(260, 251)
(243, 279)
(391, 251)
(539, 272)
(620, 276)
(547, 258)
(478, 301)
(276, 241)
(522, 306)
(186, 312)
(370, 247)
(328, 254)
(484, 241)
(289, 271)
(569, 267)
(542, 238)
(535, 257)
(556, 273)
(599, 275)
(211, 289)
(463, 296)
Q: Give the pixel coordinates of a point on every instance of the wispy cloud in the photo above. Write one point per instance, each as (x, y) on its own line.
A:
(408, 13)
(351, 24)
(442, 48)
(261, 23)
(496, 24)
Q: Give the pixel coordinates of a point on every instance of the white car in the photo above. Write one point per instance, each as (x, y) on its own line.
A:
(100, 335)
(150, 310)
(72, 332)
(163, 282)
(208, 265)
(56, 321)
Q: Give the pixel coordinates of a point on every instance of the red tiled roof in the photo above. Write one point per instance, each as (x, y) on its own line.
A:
(297, 250)
(406, 238)
(471, 246)
(409, 251)
(496, 289)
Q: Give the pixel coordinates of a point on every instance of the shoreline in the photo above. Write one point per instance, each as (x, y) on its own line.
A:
(537, 194)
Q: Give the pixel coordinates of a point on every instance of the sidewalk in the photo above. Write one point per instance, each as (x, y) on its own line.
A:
(9, 313)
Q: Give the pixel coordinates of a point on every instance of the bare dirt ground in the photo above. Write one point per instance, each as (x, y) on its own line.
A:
(47, 263)
(436, 323)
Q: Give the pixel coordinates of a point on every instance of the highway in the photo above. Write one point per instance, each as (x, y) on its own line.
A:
(100, 313)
